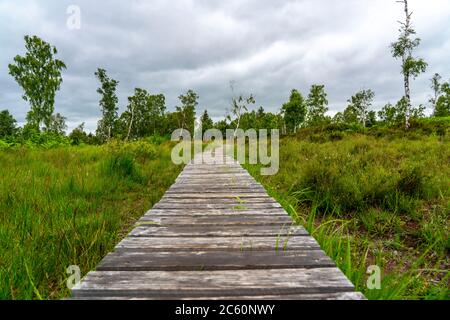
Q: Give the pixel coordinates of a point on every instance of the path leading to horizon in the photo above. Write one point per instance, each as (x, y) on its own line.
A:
(216, 234)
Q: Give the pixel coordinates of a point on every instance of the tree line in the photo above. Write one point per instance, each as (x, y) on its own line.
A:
(39, 74)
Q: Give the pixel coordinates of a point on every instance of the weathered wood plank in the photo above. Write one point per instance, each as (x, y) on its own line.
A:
(215, 220)
(235, 206)
(211, 174)
(177, 284)
(216, 212)
(217, 185)
(226, 195)
(213, 190)
(253, 243)
(216, 231)
(234, 201)
(245, 178)
(126, 260)
(311, 296)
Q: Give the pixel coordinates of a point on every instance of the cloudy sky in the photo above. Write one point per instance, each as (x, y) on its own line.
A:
(267, 46)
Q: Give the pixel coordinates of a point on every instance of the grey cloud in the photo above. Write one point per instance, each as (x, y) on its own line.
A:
(268, 47)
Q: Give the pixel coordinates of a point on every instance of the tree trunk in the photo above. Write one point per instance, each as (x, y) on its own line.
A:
(405, 72)
(408, 101)
(238, 123)
(131, 123)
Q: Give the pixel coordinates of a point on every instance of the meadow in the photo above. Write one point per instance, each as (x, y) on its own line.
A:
(379, 197)
(70, 205)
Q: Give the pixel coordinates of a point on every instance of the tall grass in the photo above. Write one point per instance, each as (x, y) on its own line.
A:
(70, 206)
(372, 200)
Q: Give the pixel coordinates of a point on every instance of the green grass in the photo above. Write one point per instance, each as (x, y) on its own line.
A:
(70, 206)
(372, 200)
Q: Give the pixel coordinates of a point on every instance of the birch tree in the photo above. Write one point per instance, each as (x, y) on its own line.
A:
(239, 106)
(436, 87)
(403, 49)
(317, 104)
(361, 103)
(136, 104)
(108, 104)
(294, 111)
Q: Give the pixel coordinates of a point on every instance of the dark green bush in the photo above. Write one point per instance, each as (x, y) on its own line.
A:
(411, 181)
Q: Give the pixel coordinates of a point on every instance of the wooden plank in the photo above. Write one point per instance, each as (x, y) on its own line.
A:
(235, 283)
(218, 185)
(215, 220)
(234, 201)
(231, 206)
(212, 190)
(126, 260)
(247, 179)
(225, 195)
(215, 212)
(213, 175)
(311, 296)
(210, 174)
(216, 231)
(253, 243)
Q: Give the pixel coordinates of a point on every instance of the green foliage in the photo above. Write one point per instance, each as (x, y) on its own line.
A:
(403, 49)
(253, 120)
(360, 104)
(4, 145)
(185, 114)
(350, 114)
(7, 124)
(395, 115)
(294, 111)
(78, 135)
(206, 122)
(222, 125)
(108, 105)
(39, 75)
(442, 108)
(58, 124)
(144, 115)
(390, 115)
(436, 87)
(317, 104)
(239, 107)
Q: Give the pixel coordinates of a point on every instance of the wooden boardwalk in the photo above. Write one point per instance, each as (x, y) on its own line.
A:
(216, 234)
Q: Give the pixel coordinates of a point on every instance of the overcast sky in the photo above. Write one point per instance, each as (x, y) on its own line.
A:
(268, 47)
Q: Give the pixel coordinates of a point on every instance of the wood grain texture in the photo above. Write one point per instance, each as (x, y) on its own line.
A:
(134, 260)
(234, 201)
(217, 212)
(216, 231)
(214, 283)
(312, 296)
(209, 220)
(233, 206)
(218, 243)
